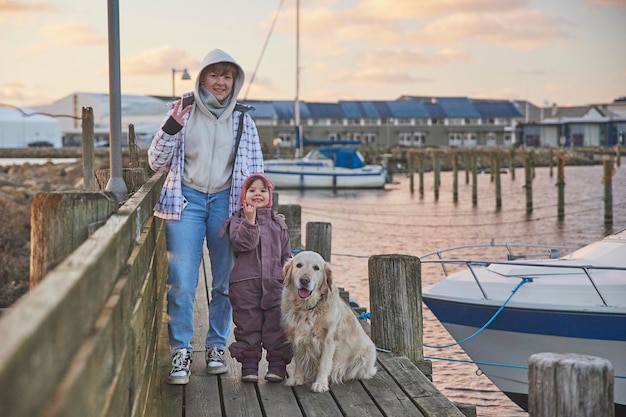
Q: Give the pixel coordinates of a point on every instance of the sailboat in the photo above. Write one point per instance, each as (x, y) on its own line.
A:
(333, 167)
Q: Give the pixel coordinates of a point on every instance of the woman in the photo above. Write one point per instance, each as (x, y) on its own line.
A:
(208, 145)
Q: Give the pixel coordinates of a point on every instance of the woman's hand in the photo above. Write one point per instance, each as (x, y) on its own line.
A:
(178, 114)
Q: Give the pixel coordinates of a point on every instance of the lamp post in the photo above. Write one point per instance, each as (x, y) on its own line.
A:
(185, 76)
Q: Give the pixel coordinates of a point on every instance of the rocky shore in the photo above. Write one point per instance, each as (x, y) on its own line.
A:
(18, 186)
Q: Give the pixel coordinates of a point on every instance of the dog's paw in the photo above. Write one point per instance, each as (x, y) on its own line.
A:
(293, 382)
(319, 387)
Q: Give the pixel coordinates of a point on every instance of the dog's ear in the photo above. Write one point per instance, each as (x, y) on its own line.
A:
(328, 275)
(287, 272)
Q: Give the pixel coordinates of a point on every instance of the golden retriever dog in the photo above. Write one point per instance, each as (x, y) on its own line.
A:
(328, 342)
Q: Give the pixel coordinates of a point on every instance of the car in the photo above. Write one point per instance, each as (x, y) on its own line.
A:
(40, 144)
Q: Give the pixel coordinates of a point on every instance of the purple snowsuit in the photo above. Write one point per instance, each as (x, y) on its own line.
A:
(256, 284)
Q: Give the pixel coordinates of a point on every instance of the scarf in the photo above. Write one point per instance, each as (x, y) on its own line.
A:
(211, 104)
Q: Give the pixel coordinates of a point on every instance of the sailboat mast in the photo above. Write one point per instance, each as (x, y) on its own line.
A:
(296, 109)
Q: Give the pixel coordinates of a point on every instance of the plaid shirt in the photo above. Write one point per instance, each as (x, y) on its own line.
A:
(167, 154)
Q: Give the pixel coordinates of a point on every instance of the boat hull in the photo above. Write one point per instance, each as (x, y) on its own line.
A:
(323, 177)
(502, 350)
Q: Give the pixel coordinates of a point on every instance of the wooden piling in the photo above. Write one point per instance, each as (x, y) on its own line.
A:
(293, 218)
(455, 177)
(512, 163)
(474, 180)
(412, 173)
(528, 185)
(468, 164)
(319, 238)
(88, 135)
(560, 183)
(570, 385)
(437, 169)
(421, 172)
(496, 168)
(608, 189)
(396, 304)
(60, 222)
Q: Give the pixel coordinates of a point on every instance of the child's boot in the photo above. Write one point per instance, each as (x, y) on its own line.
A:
(277, 366)
(250, 367)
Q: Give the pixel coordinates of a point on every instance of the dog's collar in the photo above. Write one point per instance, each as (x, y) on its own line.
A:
(318, 301)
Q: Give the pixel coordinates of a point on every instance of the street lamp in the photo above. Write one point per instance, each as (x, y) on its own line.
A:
(184, 77)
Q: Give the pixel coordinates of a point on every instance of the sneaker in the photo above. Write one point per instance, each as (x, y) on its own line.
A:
(276, 371)
(181, 368)
(215, 364)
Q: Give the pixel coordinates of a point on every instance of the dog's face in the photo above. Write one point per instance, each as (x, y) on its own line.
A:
(306, 273)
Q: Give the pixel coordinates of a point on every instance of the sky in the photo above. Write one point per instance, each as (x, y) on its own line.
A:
(568, 52)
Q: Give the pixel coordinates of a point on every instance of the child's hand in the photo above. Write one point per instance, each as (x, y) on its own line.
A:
(250, 212)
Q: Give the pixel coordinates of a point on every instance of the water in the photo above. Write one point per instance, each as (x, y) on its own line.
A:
(394, 221)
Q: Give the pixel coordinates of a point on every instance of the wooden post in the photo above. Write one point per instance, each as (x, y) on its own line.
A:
(512, 164)
(60, 222)
(618, 155)
(319, 238)
(421, 172)
(455, 177)
(529, 182)
(412, 173)
(293, 218)
(88, 134)
(560, 183)
(132, 147)
(474, 180)
(608, 189)
(437, 169)
(570, 385)
(395, 283)
(134, 178)
(496, 168)
(468, 164)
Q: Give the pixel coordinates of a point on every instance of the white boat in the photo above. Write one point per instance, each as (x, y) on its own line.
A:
(328, 167)
(572, 304)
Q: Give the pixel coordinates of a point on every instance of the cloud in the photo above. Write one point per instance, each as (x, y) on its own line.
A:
(159, 61)
(412, 9)
(525, 29)
(369, 76)
(71, 34)
(609, 3)
(16, 6)
(410, 58)
(15, 11)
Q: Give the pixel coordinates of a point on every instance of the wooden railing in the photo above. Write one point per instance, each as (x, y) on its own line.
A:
(83, 341)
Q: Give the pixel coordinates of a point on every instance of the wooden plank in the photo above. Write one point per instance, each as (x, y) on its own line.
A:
(202, 394)
(391, 399)
(315, 404)
(353, 400)
(277, 400)
(240, 399)
(422, 392)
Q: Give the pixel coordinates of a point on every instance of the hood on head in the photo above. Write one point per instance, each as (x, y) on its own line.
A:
(249, 179)
(213, 57)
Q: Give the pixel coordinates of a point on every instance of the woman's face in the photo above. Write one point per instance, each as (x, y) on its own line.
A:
(218, 84)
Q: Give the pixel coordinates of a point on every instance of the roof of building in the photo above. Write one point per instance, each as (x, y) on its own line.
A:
(403, 108)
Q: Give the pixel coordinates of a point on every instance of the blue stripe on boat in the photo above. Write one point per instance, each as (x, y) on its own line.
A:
(587, 325)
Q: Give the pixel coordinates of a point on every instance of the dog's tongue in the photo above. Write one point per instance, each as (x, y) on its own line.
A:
(304, 293)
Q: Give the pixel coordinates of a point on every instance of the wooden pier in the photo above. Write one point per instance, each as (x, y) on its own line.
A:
(399, 388)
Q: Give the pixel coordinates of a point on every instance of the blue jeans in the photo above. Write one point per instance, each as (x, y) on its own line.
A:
(201, 219)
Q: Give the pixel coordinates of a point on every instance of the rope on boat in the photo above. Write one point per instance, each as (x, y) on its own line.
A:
(477, 332)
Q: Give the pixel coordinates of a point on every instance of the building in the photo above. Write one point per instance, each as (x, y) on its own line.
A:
(21, 128)
(145, 113)
(408, 121)
(593, 125)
